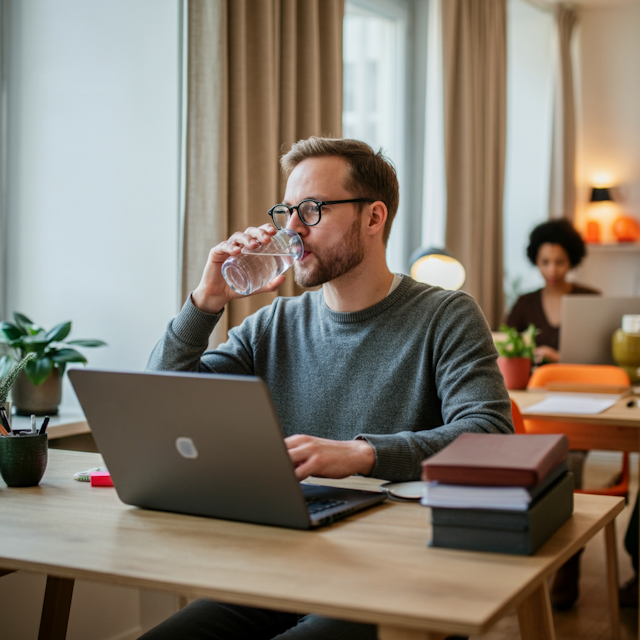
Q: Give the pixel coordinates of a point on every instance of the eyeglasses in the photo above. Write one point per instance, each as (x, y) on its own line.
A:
(309, 211)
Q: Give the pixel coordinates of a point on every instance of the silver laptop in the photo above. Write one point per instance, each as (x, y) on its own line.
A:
(587, 325)
(203, 444)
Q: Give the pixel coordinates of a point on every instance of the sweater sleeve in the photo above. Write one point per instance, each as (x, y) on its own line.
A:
(469, 385)
(183, 346)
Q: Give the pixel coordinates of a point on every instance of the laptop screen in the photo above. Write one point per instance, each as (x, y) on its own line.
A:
(587, 326)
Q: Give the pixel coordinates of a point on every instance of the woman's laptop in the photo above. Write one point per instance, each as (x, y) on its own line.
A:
(203, 444)
(587, 326)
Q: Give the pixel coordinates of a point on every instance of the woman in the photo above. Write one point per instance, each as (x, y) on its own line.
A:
(555, 247)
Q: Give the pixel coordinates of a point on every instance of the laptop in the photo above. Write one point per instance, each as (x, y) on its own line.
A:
(587, 325)
(206, 445)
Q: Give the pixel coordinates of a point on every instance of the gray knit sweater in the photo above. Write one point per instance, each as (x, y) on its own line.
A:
(409, 374)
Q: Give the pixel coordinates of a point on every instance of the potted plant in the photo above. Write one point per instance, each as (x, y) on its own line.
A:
(515, 355)
(38, 388)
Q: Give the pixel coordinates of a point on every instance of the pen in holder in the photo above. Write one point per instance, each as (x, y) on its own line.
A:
(23, 459)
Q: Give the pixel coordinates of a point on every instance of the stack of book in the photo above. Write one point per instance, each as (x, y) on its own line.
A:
(492, 492)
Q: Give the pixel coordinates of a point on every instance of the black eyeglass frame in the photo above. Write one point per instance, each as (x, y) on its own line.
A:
(320, 205)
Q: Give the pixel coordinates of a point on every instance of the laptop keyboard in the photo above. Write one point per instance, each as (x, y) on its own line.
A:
(315, 505)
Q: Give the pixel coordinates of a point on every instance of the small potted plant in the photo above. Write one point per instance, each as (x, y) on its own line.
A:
(38, 388)
(515, 355)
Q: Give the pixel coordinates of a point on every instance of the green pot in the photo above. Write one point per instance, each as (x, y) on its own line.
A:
(23, 459)
(626, 352)
(41, 400)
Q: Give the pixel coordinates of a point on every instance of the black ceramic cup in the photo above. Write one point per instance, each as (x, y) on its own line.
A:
(23, 459)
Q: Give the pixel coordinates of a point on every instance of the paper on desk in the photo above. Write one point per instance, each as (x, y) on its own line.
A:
(575, 403)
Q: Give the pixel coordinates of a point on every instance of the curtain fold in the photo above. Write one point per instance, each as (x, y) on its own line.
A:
(262, 74)
(562, 198)
(475, 60)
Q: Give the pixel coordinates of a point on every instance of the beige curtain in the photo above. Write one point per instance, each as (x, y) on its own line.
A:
(562, 199)
(474, 51)
(262, 74)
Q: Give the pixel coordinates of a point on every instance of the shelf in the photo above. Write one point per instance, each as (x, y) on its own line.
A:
(613, 246)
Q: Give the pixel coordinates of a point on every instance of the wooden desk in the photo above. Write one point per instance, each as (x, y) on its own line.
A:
(372, 567)
(615, 429)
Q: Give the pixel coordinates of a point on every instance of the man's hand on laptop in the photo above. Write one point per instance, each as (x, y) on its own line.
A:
(213, 292)
(329, 458)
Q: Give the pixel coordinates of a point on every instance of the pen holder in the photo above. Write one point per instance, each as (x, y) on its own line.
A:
(23, 459)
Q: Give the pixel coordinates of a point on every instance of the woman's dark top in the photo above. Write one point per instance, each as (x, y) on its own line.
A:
(528, 310)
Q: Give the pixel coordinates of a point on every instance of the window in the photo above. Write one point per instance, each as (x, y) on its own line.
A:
(375, 100)
(530, 76)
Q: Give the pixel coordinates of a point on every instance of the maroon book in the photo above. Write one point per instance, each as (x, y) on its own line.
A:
(490, 459)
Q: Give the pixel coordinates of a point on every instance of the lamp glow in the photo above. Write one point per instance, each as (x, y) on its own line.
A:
(602, 180)
(438, 268)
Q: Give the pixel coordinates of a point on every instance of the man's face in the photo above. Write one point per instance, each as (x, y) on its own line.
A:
(335, 245)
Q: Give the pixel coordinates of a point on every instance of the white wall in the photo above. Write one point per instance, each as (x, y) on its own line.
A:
(609, 76)
(93, 171)
(93, 218)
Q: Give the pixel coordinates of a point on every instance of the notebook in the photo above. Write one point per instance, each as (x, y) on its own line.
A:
(203, 444)
(587, 323)
(491, 459)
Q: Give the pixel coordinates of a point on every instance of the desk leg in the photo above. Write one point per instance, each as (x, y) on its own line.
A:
(55, 609)
(534, 615)
(397, 633)
(612, 577)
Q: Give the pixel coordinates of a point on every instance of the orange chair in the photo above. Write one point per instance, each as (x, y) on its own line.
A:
(584, 374)
(518, 422)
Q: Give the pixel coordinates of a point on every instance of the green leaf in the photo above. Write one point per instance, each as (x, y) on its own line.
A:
(87, 343)
(22, 321)
(34, 344)
(68, 355)
(59, 332)
(38, 370)
(516, 345)
(11, 331)
(40, 336)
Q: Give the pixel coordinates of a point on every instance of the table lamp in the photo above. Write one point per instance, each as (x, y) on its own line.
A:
(436, 266)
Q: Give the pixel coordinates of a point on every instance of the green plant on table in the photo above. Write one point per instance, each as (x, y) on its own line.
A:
(51, 349)
(516, 344)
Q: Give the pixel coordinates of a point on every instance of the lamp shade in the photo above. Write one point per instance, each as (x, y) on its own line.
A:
(600, 194)
(437, 267)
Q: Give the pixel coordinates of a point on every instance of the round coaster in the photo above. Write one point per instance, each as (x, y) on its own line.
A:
(404, 490)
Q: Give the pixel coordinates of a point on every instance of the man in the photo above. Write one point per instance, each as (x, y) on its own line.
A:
(371, 374)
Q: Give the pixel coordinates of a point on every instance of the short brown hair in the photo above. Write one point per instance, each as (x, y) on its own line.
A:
(370, 174)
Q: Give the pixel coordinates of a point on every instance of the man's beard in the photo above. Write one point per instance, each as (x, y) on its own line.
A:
(334, 262)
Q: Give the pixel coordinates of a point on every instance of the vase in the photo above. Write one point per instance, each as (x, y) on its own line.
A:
(515, 371)
(625, 346)
(40, 400)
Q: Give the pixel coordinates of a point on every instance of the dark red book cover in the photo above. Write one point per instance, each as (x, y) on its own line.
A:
(489, 459)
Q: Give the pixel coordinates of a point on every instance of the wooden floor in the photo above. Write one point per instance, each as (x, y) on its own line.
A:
(589, 620)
